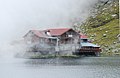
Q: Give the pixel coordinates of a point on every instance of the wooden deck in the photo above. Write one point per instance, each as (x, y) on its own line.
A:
(88, 51)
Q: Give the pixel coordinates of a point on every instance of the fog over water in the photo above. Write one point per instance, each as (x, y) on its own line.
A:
(19, 16)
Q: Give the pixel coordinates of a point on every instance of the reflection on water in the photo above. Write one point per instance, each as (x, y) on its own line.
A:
(85, 67)
(82, 61)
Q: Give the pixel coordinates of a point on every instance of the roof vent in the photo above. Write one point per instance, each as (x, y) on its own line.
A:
(48, 32)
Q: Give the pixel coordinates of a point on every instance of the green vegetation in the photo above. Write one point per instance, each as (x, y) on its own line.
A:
(68, 56)
(41, 56)
(102, 27)
(32, 55)
(106, 34)
(52, 56)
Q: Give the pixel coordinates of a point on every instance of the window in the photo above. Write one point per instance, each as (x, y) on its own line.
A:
(84, 40)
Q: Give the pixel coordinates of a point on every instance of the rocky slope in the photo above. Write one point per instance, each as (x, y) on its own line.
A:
(102, 26)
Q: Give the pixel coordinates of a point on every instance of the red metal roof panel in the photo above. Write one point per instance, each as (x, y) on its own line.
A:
(83, 36)
(39, 33)
(59, 31)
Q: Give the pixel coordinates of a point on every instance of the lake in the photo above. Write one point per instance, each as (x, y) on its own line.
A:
(84, 67)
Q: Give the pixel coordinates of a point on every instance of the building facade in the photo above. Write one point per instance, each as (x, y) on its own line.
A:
(60, 39)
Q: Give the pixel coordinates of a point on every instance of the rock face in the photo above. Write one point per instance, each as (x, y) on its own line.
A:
(104, 22)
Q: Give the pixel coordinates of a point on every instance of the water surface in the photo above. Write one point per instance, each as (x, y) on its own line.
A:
(85, 67)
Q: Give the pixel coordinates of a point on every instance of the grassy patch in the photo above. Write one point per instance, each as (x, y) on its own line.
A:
(52, 56)
(42, 56)
(69, 56)
(111, 30)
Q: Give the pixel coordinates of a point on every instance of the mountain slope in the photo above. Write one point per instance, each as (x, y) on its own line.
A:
(103, 26)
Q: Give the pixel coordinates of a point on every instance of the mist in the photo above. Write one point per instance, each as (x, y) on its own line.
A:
(17, 17)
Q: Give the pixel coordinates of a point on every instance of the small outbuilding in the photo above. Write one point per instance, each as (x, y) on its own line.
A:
(86, 47)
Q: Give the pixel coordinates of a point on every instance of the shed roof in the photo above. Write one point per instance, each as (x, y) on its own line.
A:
(82, 36)
(89, 44)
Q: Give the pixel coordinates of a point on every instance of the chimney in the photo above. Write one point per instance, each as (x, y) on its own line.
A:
(48, 32)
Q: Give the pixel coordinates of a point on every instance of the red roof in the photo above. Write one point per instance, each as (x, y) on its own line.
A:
(83, 36)
(53, 32)
(39, 33)
(58, 31)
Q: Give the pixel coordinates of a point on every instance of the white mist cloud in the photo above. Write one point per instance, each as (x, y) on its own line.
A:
(18, 16)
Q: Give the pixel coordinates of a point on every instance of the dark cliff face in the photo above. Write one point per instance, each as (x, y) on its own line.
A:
(102, 26)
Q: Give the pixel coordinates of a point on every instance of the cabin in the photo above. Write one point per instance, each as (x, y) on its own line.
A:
(60, 40)
(64, 35)
(86, 47)
(49, 40)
